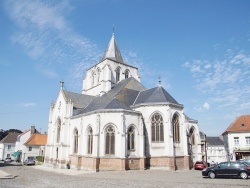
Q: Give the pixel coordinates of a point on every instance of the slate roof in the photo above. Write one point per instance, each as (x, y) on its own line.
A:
(37, 140)
(155, 95)
(123, 95)
(112, 51)
(10, 138)
(79, 100)
(214, 141)
(241, 124)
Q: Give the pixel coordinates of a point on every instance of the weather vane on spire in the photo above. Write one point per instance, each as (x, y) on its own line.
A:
(113, 28)
(61, 84)
(159, 81)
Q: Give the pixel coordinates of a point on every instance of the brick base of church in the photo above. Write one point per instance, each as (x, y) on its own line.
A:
(118, 164)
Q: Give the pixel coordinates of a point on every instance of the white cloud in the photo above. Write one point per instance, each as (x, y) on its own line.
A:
(29, 104)
(45, 34)
(206, 106)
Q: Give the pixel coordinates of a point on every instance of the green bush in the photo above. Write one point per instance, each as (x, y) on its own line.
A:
(39, 158)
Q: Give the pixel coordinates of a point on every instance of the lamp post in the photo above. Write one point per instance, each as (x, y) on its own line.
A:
(23, 157)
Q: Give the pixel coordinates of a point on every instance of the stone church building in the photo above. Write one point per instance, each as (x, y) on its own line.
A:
(118, 124)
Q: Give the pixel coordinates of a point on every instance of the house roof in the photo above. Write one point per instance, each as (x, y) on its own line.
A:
(37, 140)
(10, 138)
(215, 141)
(241, 124)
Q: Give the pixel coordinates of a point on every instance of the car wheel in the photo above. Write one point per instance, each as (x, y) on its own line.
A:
(211, 175)
(243, 175)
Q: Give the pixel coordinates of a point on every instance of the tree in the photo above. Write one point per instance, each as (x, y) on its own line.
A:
(4, 133)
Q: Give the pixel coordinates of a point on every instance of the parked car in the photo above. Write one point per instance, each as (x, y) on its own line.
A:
(7, 160)
(246, 161)
(199, 165)
(29, 161)
(228, 169)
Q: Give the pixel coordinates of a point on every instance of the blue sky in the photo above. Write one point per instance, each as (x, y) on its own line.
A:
(200, 49)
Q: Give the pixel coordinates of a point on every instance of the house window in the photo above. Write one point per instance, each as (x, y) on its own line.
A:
(9, 147)
(131, 138)
(90, 140)
(176, 129)
(30, 148)
(58, 130)
(8, 155)
(110, 141)
(236, 141)
(75, 141)
(157, 128)
(247, 140)
(118, 71)
(126, 74)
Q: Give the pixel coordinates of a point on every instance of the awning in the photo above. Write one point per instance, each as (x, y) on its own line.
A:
(16, 154)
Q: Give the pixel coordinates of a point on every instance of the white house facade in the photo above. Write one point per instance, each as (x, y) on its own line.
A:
(118, 124)
(237, 139)
(216, 152)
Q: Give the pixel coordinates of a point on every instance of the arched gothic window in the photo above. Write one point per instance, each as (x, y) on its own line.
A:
(98, 75)
(192, 136)
(76, 141)
(157, 128)
(176, 129)
(126, 74)
(90, 140)
(118, 72)
(93, 78)
(131, 138)
(110, 141)
(58, 130)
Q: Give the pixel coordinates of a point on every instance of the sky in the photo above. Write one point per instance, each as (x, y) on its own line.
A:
(200, 50)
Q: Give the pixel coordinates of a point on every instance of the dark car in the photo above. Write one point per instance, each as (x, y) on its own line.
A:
(199, 165)
(7, 160)
(228, 169)
(246, 161)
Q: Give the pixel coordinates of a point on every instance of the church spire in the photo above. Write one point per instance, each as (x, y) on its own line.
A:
(113, 51)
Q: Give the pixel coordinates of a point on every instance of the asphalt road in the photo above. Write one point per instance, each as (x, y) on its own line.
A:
(45, 177)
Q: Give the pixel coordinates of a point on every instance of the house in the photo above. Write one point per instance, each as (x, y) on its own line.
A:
(237, 139)
(21, 140)
(215, 150)
(35, 146)
(118, 124)
(7, 146)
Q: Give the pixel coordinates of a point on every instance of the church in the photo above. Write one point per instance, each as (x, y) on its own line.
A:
(116, 123)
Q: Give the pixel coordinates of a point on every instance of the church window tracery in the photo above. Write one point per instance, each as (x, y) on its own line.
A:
(118, 72)
(75, 141)
(110, 140)
(126, 74)
(176, 129)
(58, 130)
(90, 140)
(131, 138)
(92, 78)
(157, 128)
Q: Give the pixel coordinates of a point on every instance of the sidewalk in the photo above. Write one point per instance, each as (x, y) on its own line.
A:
(71, 172)
(4, 175)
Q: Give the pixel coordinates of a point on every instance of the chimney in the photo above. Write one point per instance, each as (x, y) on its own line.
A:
(32, 130)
